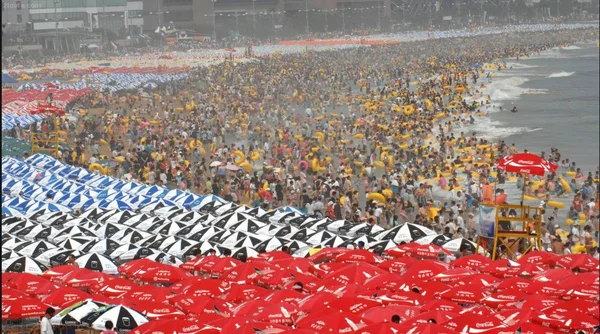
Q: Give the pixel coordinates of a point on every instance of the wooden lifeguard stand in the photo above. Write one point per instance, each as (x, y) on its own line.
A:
(520, 233)
(49, 142)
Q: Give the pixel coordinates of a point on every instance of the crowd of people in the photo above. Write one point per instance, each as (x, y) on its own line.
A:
(376, 134)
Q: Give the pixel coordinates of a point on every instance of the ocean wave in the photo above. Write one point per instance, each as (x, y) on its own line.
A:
(561, 74)
(519, 65)
(492, 129)
(572, 47)
(506, 89)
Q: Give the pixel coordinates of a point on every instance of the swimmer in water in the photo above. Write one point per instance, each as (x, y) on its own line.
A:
(514, 109)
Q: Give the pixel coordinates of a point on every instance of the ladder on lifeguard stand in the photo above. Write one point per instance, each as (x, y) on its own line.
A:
(524, 234)
(51, 142)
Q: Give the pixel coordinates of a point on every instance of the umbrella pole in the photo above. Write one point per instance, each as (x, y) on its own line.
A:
(524, 185)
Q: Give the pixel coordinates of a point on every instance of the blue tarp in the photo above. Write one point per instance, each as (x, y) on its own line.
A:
(7, 80)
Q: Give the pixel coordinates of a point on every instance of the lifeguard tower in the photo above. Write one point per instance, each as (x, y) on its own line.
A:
(519, 232)
(47, 142)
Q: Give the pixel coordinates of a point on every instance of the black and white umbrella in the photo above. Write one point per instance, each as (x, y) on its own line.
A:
(23, 264)
(34, 249)
(79, 221)
(72, 315)
(433, 239)
(229, 220)
(240, 209)
(170, 228)
(74, 242)
(132, 221)
(247, 226)
(93, 214)
(55, 218)
(203, 247)
(104, 215)
(109, 229)
(146, 242)
(406, 233)
(281, 217)
(178, 247)
(208, 206)
(255, 212)
(101, 246)
(6, 237)
(148, 223)
(295, 245)
(165, 242)
(11, 219)
(14, 242)
(56, 256)
(130, 235)
(167, 211)
(115, 253)
(334, 226)
(118, 217)
(38, 232)
(379, 246)
(216, 238)
(455, 245)
(268, 229)
(18, 225)
(249, 241)
(221, 210)
(319, 238)
(300, 235)
(336, 241)
(152, 208)
(230, 240)
(315, 223)
(242, 254)
(366, 239)
(202, 233)
(136, 253)
(189, 216)
(72, 231)
(58, 221)
(270, 244)
(9, 253)
(364, 229)
(302, 252)
(97, 262)
(122, 317)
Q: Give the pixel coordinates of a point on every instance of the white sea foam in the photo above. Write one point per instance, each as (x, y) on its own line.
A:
(518, 66)
(506, 89)
(561, 74)
(572, 47)
(492, 129)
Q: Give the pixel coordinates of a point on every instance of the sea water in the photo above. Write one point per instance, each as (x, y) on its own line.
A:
(556, 94)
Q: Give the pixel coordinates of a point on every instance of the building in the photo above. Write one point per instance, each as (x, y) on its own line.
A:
(15, 15)
(225, 18)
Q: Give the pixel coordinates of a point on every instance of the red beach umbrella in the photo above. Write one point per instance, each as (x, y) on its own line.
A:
(441, 305)
(356, 273)
(354, 304)
(168, 327)
(358, 255)
(538, 257)
(206, 287)
(216, 265)
(474, 262)
(331, 321)
(64, 297)
(398, 264)
(467, 323)
(423, 270)
(464, 295)
(427, 329)
(453, 275)
(57, 272)
(277, 313)
(385, 313)
(526, 163)
(200, 305)
(380, 328)
(284, 296)
(440, 317)
(32, 285)
(242, 292)
(503, 299)
(583, 262)
(22, 308)
(272, 256)
(163, 274)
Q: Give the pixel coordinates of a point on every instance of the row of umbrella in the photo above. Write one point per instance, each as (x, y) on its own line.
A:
(263, 293)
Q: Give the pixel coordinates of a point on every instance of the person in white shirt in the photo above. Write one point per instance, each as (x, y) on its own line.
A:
(45, 325)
